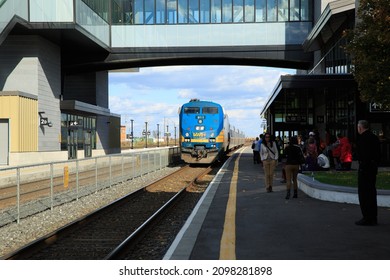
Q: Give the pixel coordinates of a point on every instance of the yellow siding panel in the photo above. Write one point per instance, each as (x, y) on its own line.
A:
(10, 110)
(28, 125)
(23, 115)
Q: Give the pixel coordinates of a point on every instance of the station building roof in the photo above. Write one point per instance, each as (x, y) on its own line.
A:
(308, 81)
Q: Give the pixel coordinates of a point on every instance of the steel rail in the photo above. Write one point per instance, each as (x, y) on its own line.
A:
(132, 238)
(46, 240)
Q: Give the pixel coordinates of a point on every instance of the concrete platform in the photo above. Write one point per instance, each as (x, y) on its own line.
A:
(237, 219)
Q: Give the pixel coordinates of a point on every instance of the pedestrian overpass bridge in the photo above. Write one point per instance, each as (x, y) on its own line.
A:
(96, 35)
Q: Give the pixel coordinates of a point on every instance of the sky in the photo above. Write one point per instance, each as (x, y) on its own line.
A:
(154, 94)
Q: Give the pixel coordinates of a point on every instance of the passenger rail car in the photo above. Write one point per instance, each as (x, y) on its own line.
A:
(205, 132)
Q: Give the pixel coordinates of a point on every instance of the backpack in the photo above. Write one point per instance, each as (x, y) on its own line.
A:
(323, 161)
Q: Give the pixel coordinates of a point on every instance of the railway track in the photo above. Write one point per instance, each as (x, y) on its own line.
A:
(115, 231)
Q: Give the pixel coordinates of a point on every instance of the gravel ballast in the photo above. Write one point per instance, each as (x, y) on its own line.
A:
(14, 236)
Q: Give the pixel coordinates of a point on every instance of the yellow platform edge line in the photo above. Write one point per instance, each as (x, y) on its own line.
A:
(228, 240)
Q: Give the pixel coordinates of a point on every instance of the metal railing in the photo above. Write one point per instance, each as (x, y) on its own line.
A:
(27, 190)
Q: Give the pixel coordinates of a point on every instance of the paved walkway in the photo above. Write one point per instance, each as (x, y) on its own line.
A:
(237, 219)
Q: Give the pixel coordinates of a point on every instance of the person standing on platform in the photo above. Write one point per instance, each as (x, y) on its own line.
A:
(311, 153)
(256, 152)
(368, 152)
(345, 153)
(269, 156)
(293, 155)
(261, 137)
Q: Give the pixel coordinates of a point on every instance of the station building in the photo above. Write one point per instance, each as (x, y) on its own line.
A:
(55, 58)
(325, 98)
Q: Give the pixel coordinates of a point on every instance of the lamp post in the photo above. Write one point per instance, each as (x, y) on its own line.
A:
(158, 135)
(167, 136)
(175, 135)
(146, 133)
(132, 134)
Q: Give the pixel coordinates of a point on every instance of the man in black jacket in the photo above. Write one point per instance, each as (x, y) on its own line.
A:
(368, 152)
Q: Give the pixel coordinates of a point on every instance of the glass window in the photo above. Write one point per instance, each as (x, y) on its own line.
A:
(227, 11)
(202, 11)
(261, 11)
(210, 110)
(138, 11)
(279, 117)
(80, 136)
(191, 110)
(93, 136)
(116, 13)
(294, 10)
(122, 12)
(216, 11)
(183, 11)
(160, 12)
(172, 11)
(249, 10)
(310, 119)
(64, 132)
(271, 10)
(194, 11)
(238, 10)
(282, 10)
(149, 12)
(205, 11)
(83, 125)
(305, 10)
(98, 6)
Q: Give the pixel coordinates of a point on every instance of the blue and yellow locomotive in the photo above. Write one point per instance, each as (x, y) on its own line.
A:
(205, 132)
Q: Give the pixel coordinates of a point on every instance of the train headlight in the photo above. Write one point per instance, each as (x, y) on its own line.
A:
(212, 140)
(187, 140)
(200, 121)
(187, 134)
(212, 134)
(199, 127)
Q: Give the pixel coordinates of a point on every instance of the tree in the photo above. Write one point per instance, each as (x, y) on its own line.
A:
(369, 46)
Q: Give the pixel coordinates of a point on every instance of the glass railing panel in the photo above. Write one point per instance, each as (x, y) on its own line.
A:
(51, 11)
(92, 22)
(201, 35)
(10, 8)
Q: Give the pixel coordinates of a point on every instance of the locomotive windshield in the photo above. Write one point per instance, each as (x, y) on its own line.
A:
(210, 110)
(191, 110)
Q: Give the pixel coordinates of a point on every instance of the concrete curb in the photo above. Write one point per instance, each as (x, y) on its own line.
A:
(340, 194)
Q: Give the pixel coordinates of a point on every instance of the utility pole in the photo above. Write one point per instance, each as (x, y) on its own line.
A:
(175, 135)
(132, 134)
(167, 136)
(146, 133)
(158, 135)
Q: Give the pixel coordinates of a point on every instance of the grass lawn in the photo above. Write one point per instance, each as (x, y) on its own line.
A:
(349, 178)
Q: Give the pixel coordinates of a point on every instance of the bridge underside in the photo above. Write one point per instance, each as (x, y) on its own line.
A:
(272, 56)
(82, 53)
